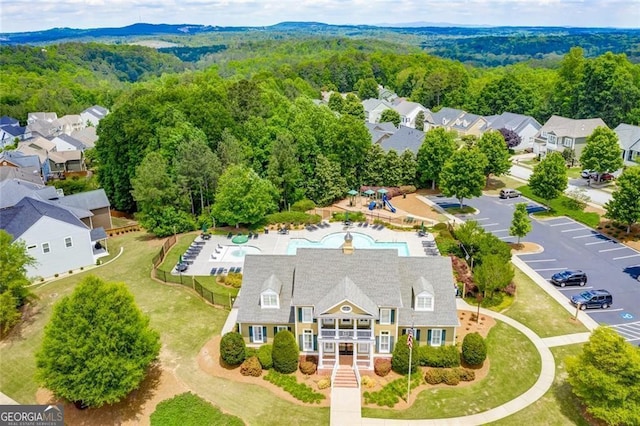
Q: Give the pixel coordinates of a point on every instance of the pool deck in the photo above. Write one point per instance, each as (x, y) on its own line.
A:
(275, 243)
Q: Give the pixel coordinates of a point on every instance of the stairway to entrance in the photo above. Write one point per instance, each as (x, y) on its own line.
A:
(345, 378)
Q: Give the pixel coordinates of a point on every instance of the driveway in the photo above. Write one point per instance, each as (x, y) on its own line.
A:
(569, 244)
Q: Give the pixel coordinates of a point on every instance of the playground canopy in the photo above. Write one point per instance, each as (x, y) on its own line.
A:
(382, 191)
(352, 192)
(369, 192)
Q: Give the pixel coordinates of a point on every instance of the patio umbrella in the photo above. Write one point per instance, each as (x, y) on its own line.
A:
(422, 226)
(239, 240)
(204, 228)
(180, 259)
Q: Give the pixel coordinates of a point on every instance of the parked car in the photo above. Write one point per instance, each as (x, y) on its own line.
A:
(593, 299)
(604, 177)
(182, 266)
(587, 173)
(569, 277)
(509, 193)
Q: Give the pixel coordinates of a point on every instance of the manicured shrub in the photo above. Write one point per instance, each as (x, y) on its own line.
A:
(465, 374)
(251, 367)
(264, 356)
(285, 352)
(249, 352)
(303, 205)
(308, 367)
(474, 349)
(450, 377)
(295, 218)
(439, 356)
(382, 366)
(434, 376)
(369, 382)
(233, 279)
(290, 384)
(324, 383)
(407, 189)
(188, 409)
(400, 359)
(232, 348)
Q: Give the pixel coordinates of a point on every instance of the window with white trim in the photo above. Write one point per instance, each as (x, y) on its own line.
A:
(281, 328)
(436, 337)
(329, 347)
(328, 321)
(384, 345)
(256, 334)
(68, 242)
(385, 316)
(307, 340)
(269, 300)
(568, 142)
(307, 315)
(362, 321)
(552, 139)
(363, 348)
(46, 248)
(346, 321)
(424, 302)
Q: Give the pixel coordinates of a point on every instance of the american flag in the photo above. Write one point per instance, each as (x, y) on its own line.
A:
(410, 339)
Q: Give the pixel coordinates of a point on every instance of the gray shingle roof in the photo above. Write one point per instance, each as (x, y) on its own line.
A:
(444, 116)
(511, 121)
(629, 136)
(72, 141)
(404, 138)
(272, 283)
(5, 120)
(18, 219)
(14, 190)
(20, 159)
(89, 200)
(98, 234)
(380, 131)
(97, 111)
(574, 128)
(368, 278)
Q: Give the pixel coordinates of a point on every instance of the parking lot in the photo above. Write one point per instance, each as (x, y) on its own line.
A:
(571, 245)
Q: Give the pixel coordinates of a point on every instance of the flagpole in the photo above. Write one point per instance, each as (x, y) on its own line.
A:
(410, 344)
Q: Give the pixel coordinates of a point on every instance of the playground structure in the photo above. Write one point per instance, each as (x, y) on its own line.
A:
(382, 203)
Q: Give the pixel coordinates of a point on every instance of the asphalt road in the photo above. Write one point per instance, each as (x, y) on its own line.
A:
(571, 245)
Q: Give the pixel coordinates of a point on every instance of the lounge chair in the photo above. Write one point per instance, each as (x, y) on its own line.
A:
(255, 235)
(238, 269)
(229, 235)
(219, 246)
(214, 271)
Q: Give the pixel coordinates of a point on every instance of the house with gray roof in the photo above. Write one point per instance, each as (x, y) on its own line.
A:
(457, 120)
(380, 131)
(348, 304)
(525, 126)
(404, 138)
(10, 131)
(93, 115)
(65, 142)
(373, 109)
(55, 237)
(95, 203)
(409, 111)
(69, 124)
(87, 136)
(386, 94)
(629, 138)
(559, 133)
(28, 163)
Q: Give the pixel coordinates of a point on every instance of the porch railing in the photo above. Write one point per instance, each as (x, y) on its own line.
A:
(334, 373)
(357, 373)
(348, 334)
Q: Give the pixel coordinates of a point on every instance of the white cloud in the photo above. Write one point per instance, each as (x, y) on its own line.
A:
(30, 15)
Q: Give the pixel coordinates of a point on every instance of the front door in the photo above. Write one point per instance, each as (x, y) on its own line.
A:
(345, 348)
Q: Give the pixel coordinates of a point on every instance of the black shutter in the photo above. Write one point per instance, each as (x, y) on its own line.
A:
(250, 334)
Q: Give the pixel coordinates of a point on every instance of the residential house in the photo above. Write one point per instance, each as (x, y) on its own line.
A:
(49, 117)
(525, 126)
(87, 136)
(42, 123)
(10, 131)
(373, 109)
(29, 164)
(41, 147)
(68, 124)
(348, 304)
(93, 115)
(13, 190)
(386, 94)
(57, 240)
(380, 131)
(629, 137)
(559, 133)
(457, 120)
(409, 111)
(405, 138)
(95, 202)
(65, 142)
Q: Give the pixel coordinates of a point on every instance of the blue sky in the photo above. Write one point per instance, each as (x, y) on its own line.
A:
(32, 15)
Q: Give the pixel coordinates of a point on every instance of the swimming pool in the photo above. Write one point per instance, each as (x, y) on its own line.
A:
(360, 241)
(234, 253)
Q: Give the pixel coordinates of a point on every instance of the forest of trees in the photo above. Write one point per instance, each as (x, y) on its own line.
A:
(259, 114)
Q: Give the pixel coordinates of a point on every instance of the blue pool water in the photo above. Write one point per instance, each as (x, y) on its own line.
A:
(360, 241)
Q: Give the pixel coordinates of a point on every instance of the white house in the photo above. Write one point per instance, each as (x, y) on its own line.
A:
(65, 142)
(373, 109)
(409, 111)
(629, 138)
(93, 115)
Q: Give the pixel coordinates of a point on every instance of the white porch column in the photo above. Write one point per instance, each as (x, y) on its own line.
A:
(335, 328)
(321, 352)
(371, 347)
(355, 328)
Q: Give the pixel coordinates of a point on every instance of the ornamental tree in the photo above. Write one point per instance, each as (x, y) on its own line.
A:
(492, 274)
(624, 205)
(511, 138)
(400, 359)
(232, 348)
(285, 352)
(474, 349)
(606, 377)
(492, 145)
(98, 345)
(549, 177)
(243, 197)
(521, 223)
(14, 259)
(437, 147)
(463, 174)
(602, 151)
(390, 116)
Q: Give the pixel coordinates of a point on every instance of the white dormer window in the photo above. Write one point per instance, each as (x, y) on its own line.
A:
(270, 300)
(568, 142)
(551, 139)
(424, 302)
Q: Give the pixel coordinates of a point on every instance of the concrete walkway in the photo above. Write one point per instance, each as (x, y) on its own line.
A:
(5, 400)
(345, 406)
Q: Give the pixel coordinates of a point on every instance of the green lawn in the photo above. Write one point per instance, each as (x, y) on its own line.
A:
(511, 354)
(495, 184)
(558, 406)
(526, 309)
(185, 323)
(559, 208)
